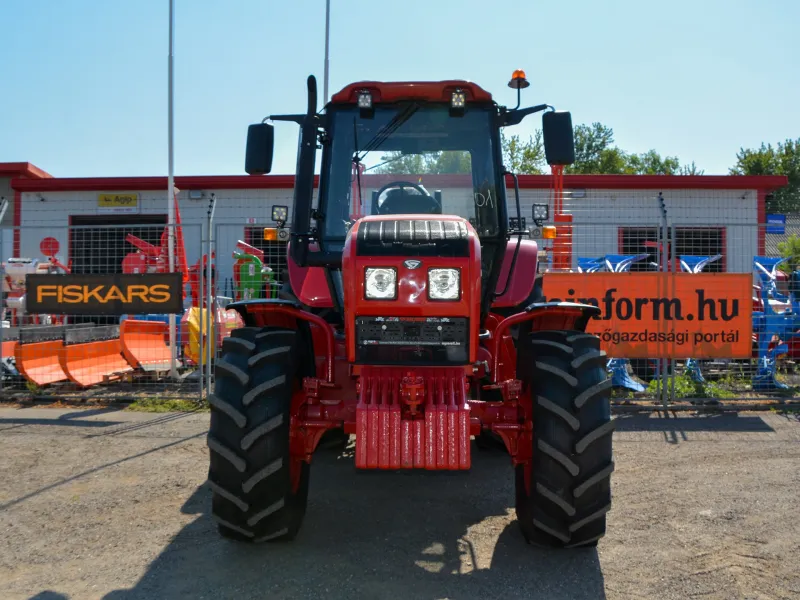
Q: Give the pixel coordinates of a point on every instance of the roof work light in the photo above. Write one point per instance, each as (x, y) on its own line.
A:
(364, 103)
(364, 99)
(458, 102)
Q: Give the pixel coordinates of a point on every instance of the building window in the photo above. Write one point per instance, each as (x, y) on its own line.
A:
(694, 241)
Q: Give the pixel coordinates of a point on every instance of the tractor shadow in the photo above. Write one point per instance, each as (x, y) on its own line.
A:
(378, 535)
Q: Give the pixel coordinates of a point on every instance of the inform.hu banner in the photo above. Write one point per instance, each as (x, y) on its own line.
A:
(663, 315)
(139, 293)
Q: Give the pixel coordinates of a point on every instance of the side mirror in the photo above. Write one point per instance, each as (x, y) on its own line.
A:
(559, 143)
(260, 142)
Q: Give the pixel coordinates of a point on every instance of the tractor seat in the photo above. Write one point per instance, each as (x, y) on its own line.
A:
(408, 201)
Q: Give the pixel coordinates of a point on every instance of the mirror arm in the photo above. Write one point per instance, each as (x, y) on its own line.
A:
(299, 119)
(514, 117)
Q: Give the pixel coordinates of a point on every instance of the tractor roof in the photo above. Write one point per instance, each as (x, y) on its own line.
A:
(391, 91)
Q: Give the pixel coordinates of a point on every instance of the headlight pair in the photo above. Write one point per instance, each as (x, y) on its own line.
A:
(380, 283)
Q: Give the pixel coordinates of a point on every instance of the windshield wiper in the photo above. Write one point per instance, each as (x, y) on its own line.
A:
(401, 117)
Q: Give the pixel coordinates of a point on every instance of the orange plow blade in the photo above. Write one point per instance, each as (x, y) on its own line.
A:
(144, 344)
(9, 348)
(36, 352)
(38, 362)
(10, 342)
(88, 357)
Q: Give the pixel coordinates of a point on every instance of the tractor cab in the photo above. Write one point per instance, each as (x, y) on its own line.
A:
(427, 149)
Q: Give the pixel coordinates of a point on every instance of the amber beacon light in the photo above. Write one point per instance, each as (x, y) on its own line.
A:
(518, 80)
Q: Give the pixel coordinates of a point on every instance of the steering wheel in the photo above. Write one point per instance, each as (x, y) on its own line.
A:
(427, 204)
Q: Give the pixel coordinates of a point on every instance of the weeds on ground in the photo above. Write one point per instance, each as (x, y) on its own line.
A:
(686, 387)
(32, 387)
(162, 405)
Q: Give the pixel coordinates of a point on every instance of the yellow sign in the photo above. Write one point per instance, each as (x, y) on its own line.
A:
(124, 203)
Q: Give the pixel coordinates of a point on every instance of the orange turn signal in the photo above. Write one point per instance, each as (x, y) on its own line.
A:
(549, 232)
(271, 234)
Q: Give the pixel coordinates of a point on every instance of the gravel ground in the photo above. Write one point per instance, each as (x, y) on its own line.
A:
(110, 504)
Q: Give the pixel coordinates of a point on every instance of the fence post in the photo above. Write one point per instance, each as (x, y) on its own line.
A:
(663, 261)
(210, 305)
(198, 299)
(673, 256)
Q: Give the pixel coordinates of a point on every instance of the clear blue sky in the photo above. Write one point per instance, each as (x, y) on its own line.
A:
(84, 82)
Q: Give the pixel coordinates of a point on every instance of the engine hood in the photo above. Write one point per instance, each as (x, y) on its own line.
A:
(413, 235)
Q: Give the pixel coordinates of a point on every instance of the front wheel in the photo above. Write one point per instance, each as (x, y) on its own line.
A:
(564, 492)
(259, 490)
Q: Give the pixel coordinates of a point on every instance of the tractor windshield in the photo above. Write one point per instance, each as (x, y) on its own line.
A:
(412, 158)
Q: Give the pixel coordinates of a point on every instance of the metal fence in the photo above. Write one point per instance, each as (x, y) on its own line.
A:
(134, 357)
(100, 353)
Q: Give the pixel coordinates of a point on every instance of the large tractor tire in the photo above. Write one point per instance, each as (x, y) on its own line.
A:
(259, 491)
(564, 493)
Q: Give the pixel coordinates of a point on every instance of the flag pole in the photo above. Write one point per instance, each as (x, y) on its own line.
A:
(171, 188)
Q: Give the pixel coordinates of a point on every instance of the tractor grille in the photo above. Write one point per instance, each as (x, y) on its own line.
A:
(423, 340)
(413, 237)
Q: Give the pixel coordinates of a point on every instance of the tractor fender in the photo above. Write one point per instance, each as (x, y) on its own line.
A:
(523, 277)
(539, 316)
(317, 335)
(561, 315)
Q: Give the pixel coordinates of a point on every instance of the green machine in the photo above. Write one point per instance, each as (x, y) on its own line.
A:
(250, 274)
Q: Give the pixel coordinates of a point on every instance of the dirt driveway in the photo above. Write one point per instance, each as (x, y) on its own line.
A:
(112, 504)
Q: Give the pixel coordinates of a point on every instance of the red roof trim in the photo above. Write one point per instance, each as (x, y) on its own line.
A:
(222, 182)
(659, 182)
(241, 182)
(23, 170)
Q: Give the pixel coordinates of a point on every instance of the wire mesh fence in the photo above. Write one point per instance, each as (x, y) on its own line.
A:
(90, 311)
(226, 256)
(692, 232)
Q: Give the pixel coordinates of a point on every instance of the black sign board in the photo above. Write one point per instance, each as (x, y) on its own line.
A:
(140, 293)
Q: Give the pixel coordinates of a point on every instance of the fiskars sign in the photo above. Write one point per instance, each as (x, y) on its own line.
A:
(657, 315)
(145, 293)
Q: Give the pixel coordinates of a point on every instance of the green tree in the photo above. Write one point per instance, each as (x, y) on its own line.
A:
(784, 159)
(651, 163)
(449, 161)
(525, 158)
(396, 163)
(790, 249)
(691, 169)
(595, 153)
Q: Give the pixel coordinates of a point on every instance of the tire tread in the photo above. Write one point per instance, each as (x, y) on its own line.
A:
(564, 498)
(252, 499)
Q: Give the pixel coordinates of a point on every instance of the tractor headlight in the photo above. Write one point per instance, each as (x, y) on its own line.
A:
(380, 283)
(444, 284)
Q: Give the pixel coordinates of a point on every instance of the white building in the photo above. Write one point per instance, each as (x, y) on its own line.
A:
(612, 214)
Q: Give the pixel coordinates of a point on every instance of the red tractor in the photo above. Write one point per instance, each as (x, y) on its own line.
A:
(414, 320)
